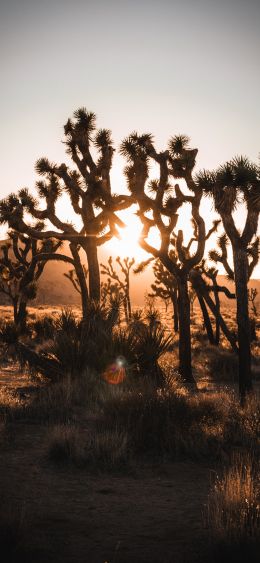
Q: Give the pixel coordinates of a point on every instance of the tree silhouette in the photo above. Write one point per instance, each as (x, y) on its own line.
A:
(164, 286)
(89, 190)
(158, 207)
(237, 181)
(203, 288)
(252, 295)
(111, 294)
(22, 262)
(78, 276)
(123, 285)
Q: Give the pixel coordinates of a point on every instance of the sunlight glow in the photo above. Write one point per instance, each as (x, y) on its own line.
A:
(127, 244)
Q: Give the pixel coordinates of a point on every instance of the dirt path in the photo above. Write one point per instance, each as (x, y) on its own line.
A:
(153, 515)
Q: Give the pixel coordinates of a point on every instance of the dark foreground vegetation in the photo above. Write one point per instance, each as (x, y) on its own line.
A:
(140, 470)
(125, 436)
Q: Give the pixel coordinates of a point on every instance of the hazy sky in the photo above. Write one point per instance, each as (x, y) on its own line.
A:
(165, 66)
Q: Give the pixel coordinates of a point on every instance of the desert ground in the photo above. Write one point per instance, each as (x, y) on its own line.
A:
(74, 488)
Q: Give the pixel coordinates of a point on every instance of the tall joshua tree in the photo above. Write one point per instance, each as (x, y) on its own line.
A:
(235, 182)
(89, 188)
(22, 262)
(158, 207)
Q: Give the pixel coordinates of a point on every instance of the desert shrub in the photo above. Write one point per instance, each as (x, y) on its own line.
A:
(51, 403)
(150, 342)
(44, 328)
(174, 423)
(152, 316)
(222, 364)
(56, 402)
(9, 333)
(166, 423)
(76, 345)
(65, 444)
(137, 318)
(67, 322)
(242, 426)
(96, 343)
(108, 449)
(233, 511)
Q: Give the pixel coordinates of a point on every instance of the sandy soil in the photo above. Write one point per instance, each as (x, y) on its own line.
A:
(151, 515)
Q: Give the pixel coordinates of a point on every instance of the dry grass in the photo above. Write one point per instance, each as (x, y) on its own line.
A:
(109, 449)
(176, 425)
(65, 444)
(222, 364)
(233, 512)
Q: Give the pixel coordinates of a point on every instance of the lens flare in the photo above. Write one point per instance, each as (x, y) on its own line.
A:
(115, 372)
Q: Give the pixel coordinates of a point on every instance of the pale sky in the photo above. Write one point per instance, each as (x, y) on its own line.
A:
(166, 67)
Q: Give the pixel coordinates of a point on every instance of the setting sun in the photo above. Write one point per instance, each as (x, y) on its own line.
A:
(128, 243)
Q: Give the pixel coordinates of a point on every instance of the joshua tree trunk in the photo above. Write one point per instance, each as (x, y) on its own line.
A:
(22, 314)
(82, 280)
(185, 367)
(93, 267)
(243, 323)
(19, 308)
(199, 286)
(125, 308)
(206, 318)
(15, 309)
(128, 304)
(217, 302)
(174, 298)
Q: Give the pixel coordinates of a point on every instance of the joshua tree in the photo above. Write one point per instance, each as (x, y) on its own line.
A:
(89, 190)
(235, 182)
(212, 274)
(159, 209)
(203, 290)
(22, 262)
(252, 295)
(111, 293)
(164, 286)
(123, 286)
(78, 276)
(192, 296)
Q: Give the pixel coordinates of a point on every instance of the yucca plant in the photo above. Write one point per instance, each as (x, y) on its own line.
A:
(44, 328)
(150, 343)
(77, 345)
